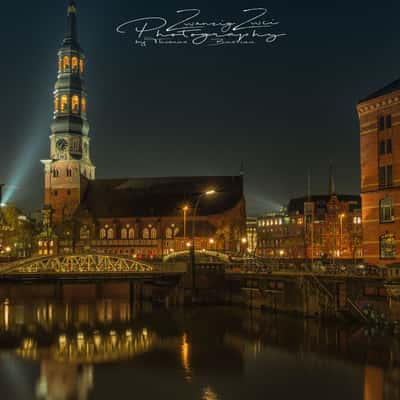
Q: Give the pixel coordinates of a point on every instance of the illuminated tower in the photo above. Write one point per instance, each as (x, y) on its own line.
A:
(69, 167)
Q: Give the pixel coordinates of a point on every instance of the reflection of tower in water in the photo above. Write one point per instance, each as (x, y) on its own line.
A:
(64, 381)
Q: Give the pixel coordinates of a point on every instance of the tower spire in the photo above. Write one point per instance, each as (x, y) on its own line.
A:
(332, 189)
(71, 33)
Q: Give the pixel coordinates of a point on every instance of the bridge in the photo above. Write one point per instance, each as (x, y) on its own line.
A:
(185, 253)
(84, 264)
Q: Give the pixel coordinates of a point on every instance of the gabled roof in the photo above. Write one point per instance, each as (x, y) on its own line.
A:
(159, 197)
(391, 87)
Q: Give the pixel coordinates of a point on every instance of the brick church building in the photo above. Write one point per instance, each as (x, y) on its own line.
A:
(139, 217)
(379, 115)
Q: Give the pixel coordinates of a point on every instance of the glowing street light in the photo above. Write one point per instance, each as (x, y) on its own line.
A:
(209, 192)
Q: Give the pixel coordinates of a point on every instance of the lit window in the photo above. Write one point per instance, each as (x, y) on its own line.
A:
(84, 232)
(56, 104)
(146, 233)
(59, 65)
(83, 104)
(387, 246)
(64, 103)
(124, 233)
(74, 64)
(131, 233)
(168, 233)
(154, 233)
(102, 233)
(386, 210)
(110, 234)
(75, 104)
(66, 63)
(81, 66)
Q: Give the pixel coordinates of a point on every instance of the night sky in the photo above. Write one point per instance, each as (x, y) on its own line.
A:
(282, 109)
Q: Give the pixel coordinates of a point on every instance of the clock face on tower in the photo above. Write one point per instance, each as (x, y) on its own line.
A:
(61, 144)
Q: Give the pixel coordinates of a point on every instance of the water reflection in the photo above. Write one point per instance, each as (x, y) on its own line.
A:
(85, 342)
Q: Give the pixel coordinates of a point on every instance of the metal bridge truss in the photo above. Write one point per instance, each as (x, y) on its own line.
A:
(78, 264)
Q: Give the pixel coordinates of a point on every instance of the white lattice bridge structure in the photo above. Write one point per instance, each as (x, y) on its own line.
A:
(77, 264)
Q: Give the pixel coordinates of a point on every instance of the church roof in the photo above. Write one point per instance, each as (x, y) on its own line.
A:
(159, 197)
(391, 87)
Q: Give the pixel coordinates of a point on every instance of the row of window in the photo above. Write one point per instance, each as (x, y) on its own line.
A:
(56, 172)
(384, 122)
(385, 147)
(70, 64)
(64, 104)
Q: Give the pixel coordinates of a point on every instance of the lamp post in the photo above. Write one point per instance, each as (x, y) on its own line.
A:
(185, 210)
(193, 235)
(341, 216)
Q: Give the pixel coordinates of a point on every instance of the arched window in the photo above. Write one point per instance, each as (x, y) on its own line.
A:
(153, 233)
(83, 104)
(75, 104)
(56, 173)
(56, 104)
(168, 233)
(64, 103)
(69, 171)
(387, 246)
(66, 63)
(102, 233)
(131, 233)
(176, 231)
(81, 66)
(124, 233)
(110, 234)
(146, 233)
(74, 64)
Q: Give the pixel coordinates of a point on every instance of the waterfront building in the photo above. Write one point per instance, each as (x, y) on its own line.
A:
(379, 115)
(139, 217)
(272, 235)
(313, 227)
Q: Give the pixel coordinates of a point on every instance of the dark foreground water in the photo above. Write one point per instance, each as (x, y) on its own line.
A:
(85, 342)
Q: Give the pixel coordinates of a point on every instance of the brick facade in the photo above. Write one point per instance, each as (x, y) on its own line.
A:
(379, 116)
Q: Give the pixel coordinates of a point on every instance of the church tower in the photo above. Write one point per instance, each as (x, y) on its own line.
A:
(69, 168)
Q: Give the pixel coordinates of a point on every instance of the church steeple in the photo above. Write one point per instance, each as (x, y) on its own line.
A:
(69, 164)
(71, 34)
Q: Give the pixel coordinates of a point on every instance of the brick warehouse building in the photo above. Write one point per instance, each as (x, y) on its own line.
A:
(143, 217)
(379, 116)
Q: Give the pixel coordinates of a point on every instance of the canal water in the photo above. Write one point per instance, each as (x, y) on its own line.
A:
(88, 341)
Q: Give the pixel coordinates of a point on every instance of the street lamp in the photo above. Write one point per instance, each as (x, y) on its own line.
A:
(193, 235)
(341, 216)
(185, 210)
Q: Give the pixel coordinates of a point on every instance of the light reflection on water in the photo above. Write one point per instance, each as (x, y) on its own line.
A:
(84, 343)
